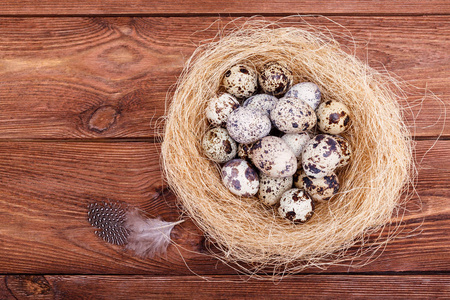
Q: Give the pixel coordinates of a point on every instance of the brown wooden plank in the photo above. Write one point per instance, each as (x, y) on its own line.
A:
(228, 287)
(108, 77)
(189, 7)
(45, 188)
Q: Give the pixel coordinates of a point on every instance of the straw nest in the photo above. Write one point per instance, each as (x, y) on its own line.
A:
(250, 235)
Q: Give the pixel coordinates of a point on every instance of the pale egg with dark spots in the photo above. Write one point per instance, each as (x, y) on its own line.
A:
(308, 92)
(321, 156)
(296, 206)
(298, 178)
(333, 117)
(321, 189)
(247, 125)
(346, 151)
(218, 145)
(271, 188)
(296, 141)
(263, 102)
(292, 115)
(275, 78)
(241, 81)
(240, 178)
(219, 108)
(273, 157)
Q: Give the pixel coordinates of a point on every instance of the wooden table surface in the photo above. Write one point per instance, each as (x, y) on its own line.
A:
(82, 87)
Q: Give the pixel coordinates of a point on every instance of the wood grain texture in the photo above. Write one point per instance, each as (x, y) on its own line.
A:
(189, 7)
(227, 287)
(65, 78)
(45, 188)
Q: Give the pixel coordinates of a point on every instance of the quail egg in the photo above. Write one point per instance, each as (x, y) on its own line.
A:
(306, 91)
(244, 150)
(321, 189)
(218, 145)
(346, 151)
(219, 108)
(275, 79)
(273, 157)
(263, 102)
(296, 206)
(333, 117)
(241, 81)
(321, 156)
(298, 178)
(247, 125)
(292, 115)
(240, 178)
(296, 141)
(271, 188)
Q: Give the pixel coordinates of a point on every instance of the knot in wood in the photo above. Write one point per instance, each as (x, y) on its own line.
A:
(30, 285)
(102, 118)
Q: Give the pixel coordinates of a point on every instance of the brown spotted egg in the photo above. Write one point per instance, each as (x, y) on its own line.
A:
(273, 157)
(244, 151)
(292, 115)
(241, 81)
(296, 141)
(308, 92)
(296, 206)
(275, 79)
(345, 149)
(240, 178)
(298, 178)
(263, 102)
(247, 125)
(218, 145)
(219, 108)
(333, 117)
(321, 189)
(321, 156)
(271, 188)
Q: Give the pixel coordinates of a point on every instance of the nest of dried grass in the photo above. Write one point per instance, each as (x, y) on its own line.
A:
(249, 234)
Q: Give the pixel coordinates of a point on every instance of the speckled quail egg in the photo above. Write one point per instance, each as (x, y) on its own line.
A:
(273, 157)
(218, 145)
(240, 178)
(321, 156)
(275, 79)
(244, 151)
(247, 125)
(241, 81)
(292, 115)
(321, 189)
(296, 141)
(298, 178)
(219, 108)
(271, 188)
(346, 151)
(306, 91)
(333, 117)
(296, 206)
(263, 102)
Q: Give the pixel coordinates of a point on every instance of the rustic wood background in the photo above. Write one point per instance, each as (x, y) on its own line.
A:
(82, 88)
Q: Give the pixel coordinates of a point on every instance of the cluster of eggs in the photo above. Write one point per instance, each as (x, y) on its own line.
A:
(268, 123)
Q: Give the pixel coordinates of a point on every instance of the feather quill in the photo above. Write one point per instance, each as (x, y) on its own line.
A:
(121, 224)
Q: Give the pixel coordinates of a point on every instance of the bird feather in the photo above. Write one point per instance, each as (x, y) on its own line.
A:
(148, 237)
(121, 224)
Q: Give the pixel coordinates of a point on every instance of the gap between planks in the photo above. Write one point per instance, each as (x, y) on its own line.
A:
(188, 7)
(154, 140)
(224, 15)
